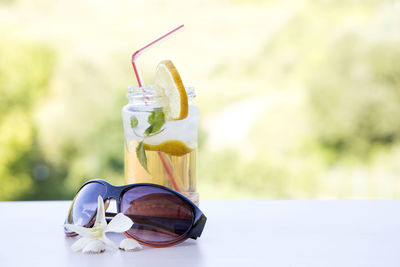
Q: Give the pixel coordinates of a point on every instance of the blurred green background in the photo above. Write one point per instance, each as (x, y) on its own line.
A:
(299, 99)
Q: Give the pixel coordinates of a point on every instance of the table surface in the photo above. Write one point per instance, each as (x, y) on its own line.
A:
(237, 233)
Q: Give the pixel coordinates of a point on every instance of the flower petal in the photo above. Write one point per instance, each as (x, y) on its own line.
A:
(129, 244)
(94, 246)
(79, 244)
(100, 216)
(120, 223)
(108, 242)
(83, 231)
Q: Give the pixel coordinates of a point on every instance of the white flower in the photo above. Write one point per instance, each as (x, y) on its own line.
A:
(94, 246)
(93, 239)
(129, 244)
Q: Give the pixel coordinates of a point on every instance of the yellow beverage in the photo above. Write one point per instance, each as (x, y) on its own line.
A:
(175, 169)
(170, 154)
(160, 129)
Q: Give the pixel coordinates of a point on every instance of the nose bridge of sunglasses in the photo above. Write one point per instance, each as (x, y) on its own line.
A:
(113, 192)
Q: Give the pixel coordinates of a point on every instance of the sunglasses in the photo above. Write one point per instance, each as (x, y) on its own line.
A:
(162, 217)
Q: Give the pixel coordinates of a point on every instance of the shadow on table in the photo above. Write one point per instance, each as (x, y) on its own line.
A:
(188, 252)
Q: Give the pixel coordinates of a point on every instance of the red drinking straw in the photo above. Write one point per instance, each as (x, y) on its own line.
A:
(140, 51)
(140, 82)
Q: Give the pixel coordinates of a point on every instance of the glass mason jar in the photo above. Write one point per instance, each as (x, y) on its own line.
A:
(167, 156)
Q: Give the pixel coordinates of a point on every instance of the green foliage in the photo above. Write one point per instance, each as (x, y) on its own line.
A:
(327, 74)
(25, 72)
(355, 98)
(261, 177)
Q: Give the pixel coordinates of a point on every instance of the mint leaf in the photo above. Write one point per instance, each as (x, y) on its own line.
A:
(156, 121)
(141, 155)
(134, 122)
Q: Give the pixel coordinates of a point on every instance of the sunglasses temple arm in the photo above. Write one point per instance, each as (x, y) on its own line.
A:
(110, 216)
(198, 227)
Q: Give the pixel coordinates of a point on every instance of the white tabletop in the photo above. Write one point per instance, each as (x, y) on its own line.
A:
(237, 233)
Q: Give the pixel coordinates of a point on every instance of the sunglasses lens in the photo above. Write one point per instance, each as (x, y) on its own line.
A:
(159, 216)
(84, 205)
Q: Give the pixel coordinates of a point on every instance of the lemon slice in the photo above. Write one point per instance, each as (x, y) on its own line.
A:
(171, 147)
(168, 78)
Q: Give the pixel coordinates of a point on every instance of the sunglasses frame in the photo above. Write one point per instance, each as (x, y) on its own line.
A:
(117, 192)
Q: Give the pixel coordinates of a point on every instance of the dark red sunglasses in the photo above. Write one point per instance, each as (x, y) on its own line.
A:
(162, 217)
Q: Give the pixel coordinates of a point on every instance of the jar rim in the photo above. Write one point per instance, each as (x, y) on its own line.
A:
(150, 90)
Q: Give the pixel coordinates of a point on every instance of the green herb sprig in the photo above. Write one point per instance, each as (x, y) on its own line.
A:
(156, 121)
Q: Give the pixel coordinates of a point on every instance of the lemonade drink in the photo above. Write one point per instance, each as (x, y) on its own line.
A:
(160, 142)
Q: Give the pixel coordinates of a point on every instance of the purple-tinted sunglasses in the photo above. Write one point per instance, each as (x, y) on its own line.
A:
(162, 217)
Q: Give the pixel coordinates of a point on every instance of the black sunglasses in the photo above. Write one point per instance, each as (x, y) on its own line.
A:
(162, 217)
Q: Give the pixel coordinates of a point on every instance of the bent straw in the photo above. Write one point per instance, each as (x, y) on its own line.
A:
(140, 82)
(140, 51)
